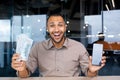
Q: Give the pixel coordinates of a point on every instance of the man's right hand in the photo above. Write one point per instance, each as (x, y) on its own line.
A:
(16, 64)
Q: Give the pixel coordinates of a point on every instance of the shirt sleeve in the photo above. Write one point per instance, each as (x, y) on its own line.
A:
(84, 61)
(32, 59)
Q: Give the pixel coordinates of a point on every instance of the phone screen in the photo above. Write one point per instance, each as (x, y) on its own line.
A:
(97, 54)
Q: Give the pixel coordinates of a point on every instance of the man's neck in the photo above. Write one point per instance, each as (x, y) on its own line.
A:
(60, 44)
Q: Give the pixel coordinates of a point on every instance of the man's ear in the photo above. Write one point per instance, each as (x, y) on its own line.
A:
(66, 25)
(47, 29)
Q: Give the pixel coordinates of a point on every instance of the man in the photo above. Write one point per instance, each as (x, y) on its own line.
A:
(101, 37)
(57, 56)
(106, 45)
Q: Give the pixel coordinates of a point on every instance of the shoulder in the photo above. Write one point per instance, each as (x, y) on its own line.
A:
(72, 41)
(75, 43)
(40, 44)
(77, 47)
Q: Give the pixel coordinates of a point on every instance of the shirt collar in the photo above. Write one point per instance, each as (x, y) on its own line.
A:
(50, 44)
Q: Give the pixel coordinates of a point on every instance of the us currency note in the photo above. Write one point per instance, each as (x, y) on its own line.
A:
(24, 44)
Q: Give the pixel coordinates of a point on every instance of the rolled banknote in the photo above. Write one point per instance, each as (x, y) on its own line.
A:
(24, 44)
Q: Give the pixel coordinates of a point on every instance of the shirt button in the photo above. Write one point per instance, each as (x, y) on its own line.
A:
(57, 69)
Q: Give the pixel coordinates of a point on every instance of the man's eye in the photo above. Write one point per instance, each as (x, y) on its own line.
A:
(60, 25)
(52, 25)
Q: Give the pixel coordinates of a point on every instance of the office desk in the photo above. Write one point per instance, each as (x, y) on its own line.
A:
(63, 78)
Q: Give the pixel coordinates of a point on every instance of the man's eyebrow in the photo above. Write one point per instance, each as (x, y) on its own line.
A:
(61, 22)
(53, 22)
(50, 22)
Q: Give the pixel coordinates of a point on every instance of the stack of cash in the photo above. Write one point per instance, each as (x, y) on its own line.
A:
(24, 44)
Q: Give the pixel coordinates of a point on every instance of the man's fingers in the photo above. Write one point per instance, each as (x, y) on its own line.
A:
(103, 57)
(15, 56)
(17, 64)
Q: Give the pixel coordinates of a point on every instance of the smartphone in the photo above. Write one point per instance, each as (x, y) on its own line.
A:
(97, 54)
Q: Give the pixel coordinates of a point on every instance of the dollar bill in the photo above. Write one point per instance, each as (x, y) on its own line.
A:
(24, 44)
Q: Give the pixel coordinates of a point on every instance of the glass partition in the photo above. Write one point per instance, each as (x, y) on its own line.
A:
(85, 20)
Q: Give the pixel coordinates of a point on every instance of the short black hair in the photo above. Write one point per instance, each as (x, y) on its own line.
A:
(55, 14)
(100, 33)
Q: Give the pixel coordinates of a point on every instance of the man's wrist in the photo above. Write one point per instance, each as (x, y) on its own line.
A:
(24, 73)
(90, 73)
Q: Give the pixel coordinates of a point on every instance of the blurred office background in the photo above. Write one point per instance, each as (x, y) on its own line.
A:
(85, 19)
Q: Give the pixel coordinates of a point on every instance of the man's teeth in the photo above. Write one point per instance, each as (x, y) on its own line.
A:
(56, 34)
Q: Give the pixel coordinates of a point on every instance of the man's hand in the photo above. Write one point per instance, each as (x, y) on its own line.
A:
(19, 66)
(94, 69)
(16, 64)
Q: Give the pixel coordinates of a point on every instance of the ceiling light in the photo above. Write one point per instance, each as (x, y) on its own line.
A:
(107, 7)
(113, 3)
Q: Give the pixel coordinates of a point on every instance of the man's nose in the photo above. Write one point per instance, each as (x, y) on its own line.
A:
(56, 28)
